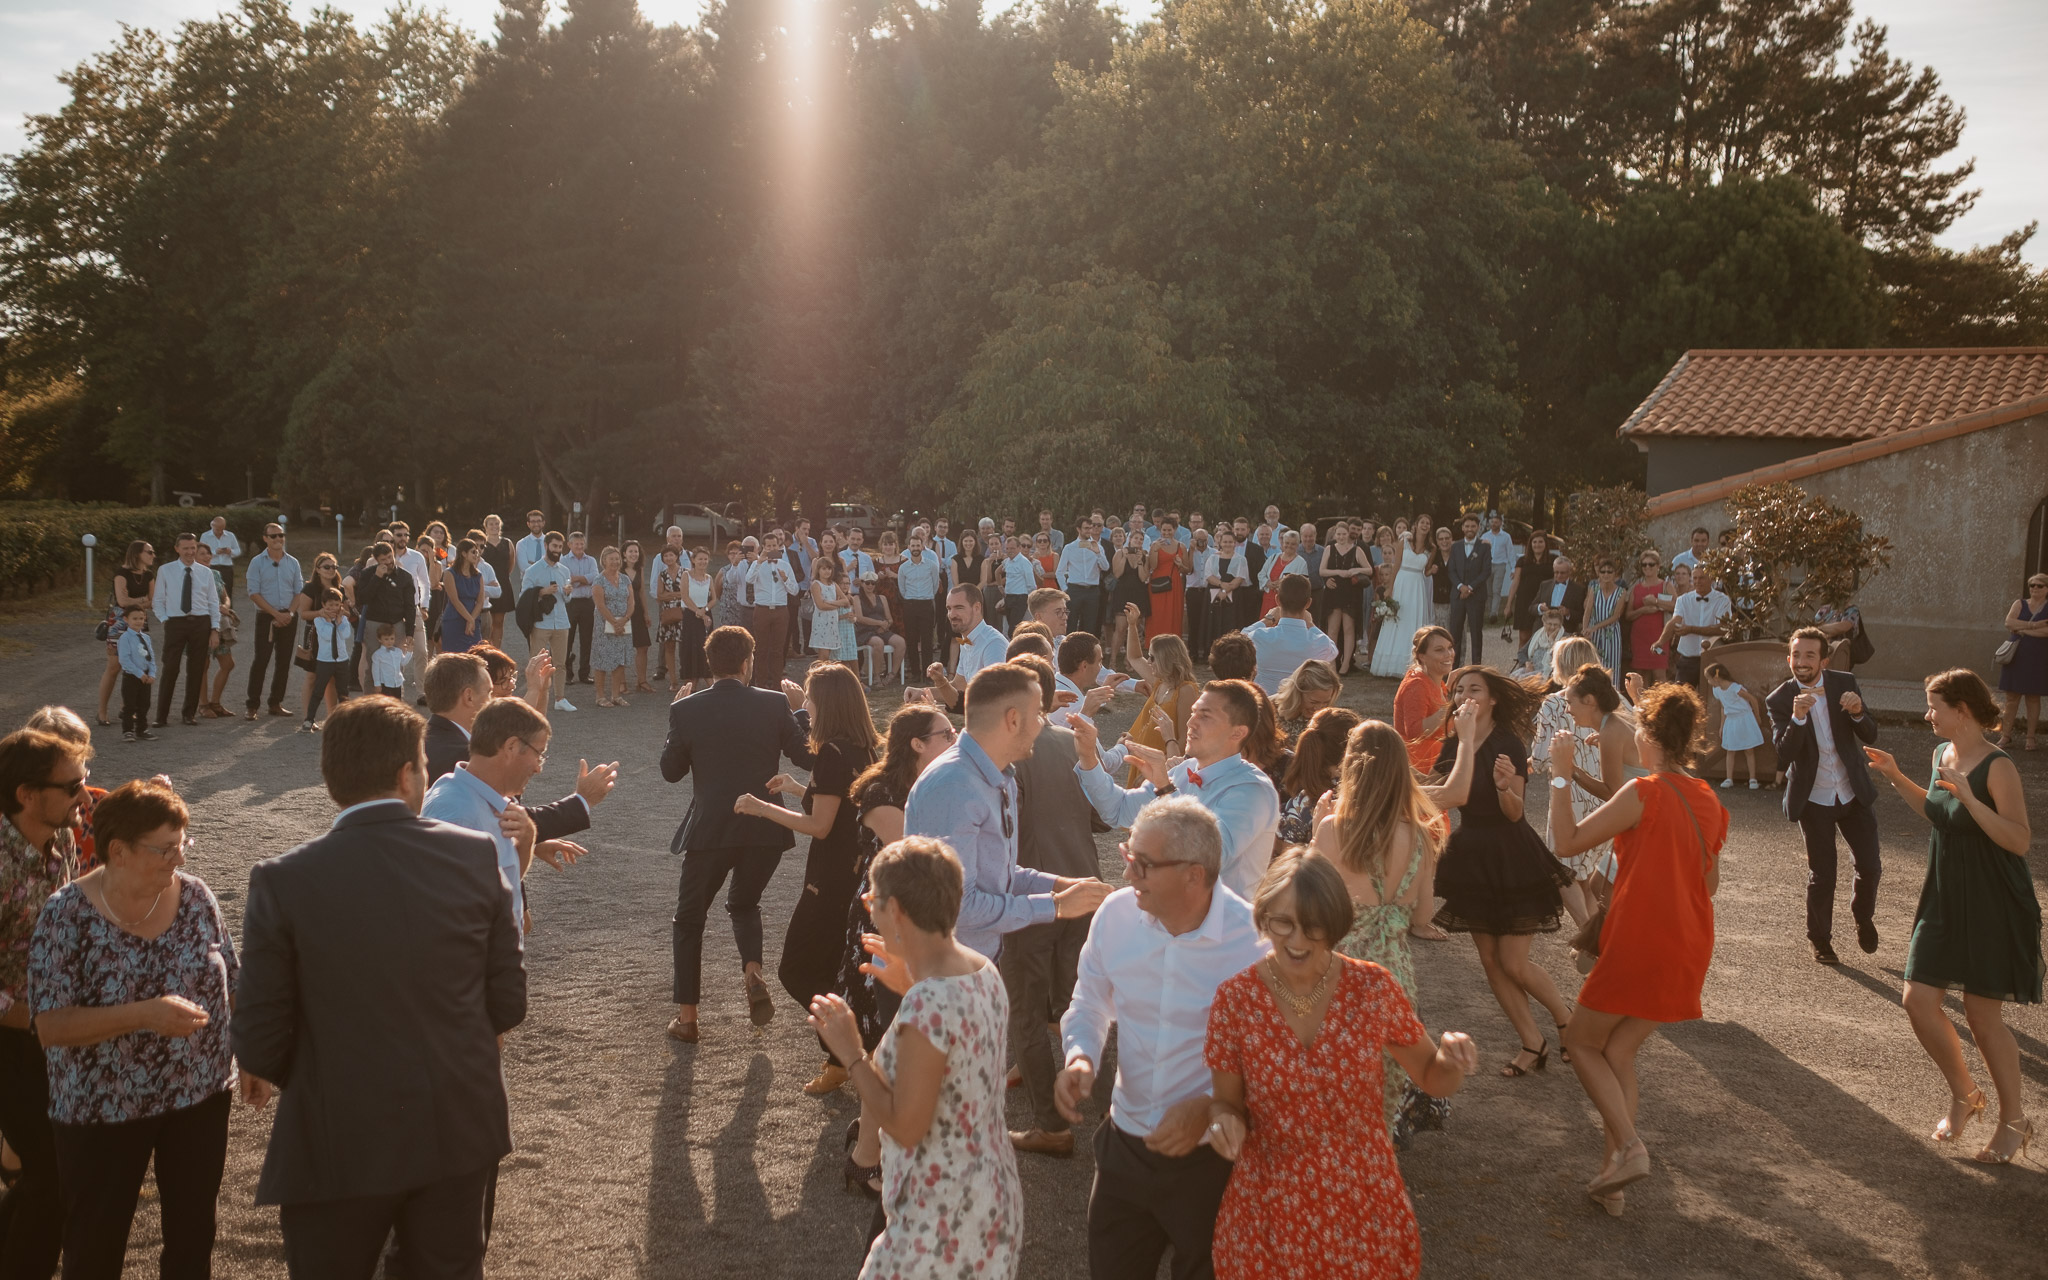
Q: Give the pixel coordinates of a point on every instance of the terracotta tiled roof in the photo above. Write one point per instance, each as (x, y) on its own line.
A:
(1834, 395)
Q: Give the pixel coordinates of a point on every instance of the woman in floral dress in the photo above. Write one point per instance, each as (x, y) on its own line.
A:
(1294, 1058)
(1383, 828)
(935, 1085)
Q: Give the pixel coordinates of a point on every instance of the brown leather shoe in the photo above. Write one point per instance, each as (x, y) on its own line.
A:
(1042, 1143)
(277, 711)
(686, 1032)
(250, 715)
(829, 1078)
(760, 1005)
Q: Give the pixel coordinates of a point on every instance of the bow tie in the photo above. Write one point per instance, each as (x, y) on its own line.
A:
(1194, 776)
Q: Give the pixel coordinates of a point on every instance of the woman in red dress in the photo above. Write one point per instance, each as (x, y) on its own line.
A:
(1169, 560)
(1294, 1056)
(1658, 939)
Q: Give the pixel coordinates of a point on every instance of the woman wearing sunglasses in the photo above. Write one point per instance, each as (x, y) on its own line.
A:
(133, 974)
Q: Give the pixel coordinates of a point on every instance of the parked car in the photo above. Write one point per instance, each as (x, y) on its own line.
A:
(715, 525)
(857, 515)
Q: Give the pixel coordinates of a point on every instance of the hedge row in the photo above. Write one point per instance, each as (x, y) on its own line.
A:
(40, 541)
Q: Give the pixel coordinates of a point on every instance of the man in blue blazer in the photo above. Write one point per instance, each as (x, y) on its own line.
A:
(733, 738)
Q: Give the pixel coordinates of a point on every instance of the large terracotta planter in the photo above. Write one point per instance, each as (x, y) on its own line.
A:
(1759, 666)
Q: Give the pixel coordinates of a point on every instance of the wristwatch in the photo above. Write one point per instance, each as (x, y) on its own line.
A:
(1560, 784)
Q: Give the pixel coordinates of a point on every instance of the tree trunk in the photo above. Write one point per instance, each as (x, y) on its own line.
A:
(1536, 505)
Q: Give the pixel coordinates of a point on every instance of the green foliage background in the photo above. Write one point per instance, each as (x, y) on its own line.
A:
(1363, 253)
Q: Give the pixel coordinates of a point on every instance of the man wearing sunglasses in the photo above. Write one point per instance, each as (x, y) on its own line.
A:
(42, 781)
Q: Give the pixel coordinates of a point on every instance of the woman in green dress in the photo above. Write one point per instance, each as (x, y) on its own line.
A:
(1379, 830)
(1979, 923)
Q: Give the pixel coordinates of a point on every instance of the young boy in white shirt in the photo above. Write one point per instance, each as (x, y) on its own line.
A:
(387, 663)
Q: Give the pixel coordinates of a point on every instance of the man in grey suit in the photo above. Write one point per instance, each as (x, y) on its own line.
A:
(733, 738)
(380, 965)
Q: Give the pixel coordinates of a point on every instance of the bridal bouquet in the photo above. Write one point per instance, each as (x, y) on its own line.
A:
(1386, 610)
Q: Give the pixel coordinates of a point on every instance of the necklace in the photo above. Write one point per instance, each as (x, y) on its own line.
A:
(107, 899)
(1302, 1006)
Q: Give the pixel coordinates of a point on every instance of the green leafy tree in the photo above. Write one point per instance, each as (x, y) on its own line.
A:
(1083, 396)
(1791, 553)
(1611, 523)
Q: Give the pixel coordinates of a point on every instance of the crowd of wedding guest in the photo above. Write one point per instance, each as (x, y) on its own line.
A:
(1280, 856)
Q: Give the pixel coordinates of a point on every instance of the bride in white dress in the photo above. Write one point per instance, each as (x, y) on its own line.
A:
(1392, 655)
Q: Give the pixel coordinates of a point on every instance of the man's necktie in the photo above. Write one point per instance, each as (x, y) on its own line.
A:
(333, 644)
(185, 592)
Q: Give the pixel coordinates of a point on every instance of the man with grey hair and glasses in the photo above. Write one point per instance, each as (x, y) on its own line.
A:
(1155, 955)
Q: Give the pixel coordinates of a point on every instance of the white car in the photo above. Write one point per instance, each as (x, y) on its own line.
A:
(700, 523)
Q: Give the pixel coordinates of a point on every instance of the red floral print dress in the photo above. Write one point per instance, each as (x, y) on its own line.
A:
(1316, 1190)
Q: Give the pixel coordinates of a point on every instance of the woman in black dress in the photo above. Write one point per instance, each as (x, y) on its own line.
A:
(633, 564)
(917, 734)
(1344, 570)
(1498, 882)
(844, 741)
(498, 555)
(1532, 570)
(134, 583)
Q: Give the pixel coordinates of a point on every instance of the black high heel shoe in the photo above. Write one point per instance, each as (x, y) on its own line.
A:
(859, 1176)
(1511, 1070)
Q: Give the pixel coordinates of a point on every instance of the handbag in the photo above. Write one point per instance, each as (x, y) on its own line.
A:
(2006, 652)
(1860, 648)
(1160, 586)
(302, 656)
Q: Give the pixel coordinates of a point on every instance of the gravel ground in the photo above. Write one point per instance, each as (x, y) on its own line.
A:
(1789, 1125)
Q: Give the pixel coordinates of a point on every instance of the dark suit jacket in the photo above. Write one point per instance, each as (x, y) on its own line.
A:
(448, 746)
(1799, 751)
(1474, 571)
(1574, 605)
(734, 738)
(380, 963)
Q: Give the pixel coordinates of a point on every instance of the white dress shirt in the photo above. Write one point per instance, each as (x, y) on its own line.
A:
(1236, 791)
(1695, 610)
(983, 647)
(170, 593)
(525, 552)
(1204, 564)
(415, 564)
(1283, 646)
(1157, 988)
(224, 545)
(773, 582)
(1020, 575)
(1830, 779)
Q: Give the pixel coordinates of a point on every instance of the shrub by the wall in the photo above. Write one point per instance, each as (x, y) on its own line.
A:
(40, 547)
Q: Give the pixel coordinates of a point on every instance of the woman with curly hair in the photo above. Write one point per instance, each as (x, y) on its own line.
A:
(1658, 937)
(1498, 882)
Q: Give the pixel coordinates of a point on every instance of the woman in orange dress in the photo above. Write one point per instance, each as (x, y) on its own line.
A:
(1658, 938)
(1168, 559)
(1294, 1062)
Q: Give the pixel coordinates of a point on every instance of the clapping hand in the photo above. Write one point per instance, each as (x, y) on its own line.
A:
(1458, 1052)
(1951, 779)
(1151, 761)
(1563, 753)
(1326, 805)
(684, 690)
(595, 784)
(832, 1018)
(784, 785)
(1633, 683)
(1075, 1082)
(1504, 773)
(794, 693)
(1852, 702)
(1802, 703)
(1097, 698)
(748, 805)
(1087, 740)
(1162, 723)
(1466, 721)
(1883, 761)
(540, 669)
(885, 968)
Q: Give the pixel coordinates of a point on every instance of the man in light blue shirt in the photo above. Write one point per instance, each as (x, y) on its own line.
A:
(508, 745)
(1501, 550)
(1079, 573)
(550, 577)
(1215, 774)
(272, 585)
(920, 581)
(583, 570)
(981, 645)
(1051, 532)
(1285, 642)
(532, 548)
(968, 798)
(944, 546)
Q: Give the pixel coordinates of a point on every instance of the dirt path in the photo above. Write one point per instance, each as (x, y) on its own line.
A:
(1789, 1126)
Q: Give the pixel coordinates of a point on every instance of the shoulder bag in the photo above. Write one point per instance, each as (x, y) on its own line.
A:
(2006, 652)
(1860, 648)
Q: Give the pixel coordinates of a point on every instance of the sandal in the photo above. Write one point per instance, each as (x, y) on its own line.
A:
(859, 1177)
(1564, 1055)
(1951, 1126)
(643, 687)
(1513, 1070)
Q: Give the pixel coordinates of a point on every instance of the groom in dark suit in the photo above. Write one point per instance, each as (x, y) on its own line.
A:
(733, 738)
(380, 964)
(1818, 725)
(1471, 576)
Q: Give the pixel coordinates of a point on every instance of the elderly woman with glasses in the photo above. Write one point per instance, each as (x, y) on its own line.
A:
(1294, 1053)
(132, 974)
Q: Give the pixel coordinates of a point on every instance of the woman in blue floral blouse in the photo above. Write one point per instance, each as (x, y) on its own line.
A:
(132, 976)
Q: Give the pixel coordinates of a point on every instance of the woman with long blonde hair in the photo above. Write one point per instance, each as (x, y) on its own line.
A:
(1167, 679)
(1308, 689)
(1384, 830)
